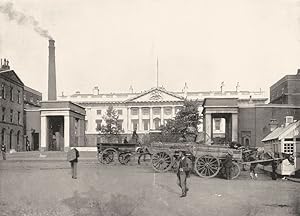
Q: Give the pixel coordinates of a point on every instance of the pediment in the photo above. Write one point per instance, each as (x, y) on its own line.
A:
(154, 95)
(11, 75)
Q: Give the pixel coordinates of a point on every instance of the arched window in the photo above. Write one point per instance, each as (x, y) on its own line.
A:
(18, 139)
(247, 142)
(2, 136)
(3, 93)
(10, 138)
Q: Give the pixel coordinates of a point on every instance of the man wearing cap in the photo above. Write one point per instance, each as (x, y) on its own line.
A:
(183, 171)
(228, 164)
(3, 150)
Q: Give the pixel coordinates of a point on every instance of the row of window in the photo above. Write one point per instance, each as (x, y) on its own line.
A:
(10, 134)
(146, 111)
(99, 124)
(4, 92)
(8, 116)
(31, 99)
(120, 112)
(134, 123)
(146, 124)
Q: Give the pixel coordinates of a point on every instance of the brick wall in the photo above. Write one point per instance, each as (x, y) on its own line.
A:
(256, 120)
(14, 128)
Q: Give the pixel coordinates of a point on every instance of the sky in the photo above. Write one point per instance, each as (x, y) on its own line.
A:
(116, 43)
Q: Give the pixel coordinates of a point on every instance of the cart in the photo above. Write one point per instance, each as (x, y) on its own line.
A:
(107, 152)
(207, 159)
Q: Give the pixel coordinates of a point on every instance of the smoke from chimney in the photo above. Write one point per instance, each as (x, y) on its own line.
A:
(23, 19)
(51, 72)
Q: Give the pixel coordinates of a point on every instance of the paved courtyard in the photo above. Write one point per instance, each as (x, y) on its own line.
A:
(46, 188)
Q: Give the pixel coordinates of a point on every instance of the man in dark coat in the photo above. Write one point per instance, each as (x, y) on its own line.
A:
(27, 144)
(3, 150)
(183, 171)
(135, 136)
(74, 164)
(228, 164)
(274, 167)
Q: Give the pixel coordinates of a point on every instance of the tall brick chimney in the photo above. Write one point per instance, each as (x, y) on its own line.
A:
(51, 72)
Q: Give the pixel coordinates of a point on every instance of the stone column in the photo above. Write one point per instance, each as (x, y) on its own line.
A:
(161, 116)
(66, 132)
(234, 122)
(173, 112)
(151, 118)
(128, 120)
(140, 119)
(125, 121)
(208, 124)
(44, 133)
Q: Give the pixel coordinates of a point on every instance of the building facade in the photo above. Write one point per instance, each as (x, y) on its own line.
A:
(286, 90)
(11, 109)
(32, 122)
(148, 110)
(245, 123)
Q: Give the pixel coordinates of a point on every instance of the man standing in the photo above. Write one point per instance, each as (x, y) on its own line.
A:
(183, 172)
(135, 137)
(253, 174)
(74, 163)
(274, 167)
(228, 164)
(3, 150)
(27, 144)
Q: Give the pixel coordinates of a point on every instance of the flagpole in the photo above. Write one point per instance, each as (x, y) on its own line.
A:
(157, 72)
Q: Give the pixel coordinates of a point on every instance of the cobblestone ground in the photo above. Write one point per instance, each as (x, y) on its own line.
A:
(46, 188)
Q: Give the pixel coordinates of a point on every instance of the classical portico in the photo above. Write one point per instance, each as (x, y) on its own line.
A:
(151, 109)
(62, 125)
(150, 115)
(221, 108)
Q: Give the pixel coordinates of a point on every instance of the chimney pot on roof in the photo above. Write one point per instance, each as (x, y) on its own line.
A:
(131, 89)
(4, 64)
(289, 120)
(298, 72)
(96, 90)
(250, 99)
(273, 124)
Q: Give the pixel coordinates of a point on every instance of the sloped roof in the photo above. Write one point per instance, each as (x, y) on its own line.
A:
(155, 90)
(281, 132)
(11, 74)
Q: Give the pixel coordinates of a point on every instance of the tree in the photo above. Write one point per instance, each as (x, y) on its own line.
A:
(186, 120)
(111, 121)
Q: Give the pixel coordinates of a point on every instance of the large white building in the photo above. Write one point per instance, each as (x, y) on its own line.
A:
(147, 110)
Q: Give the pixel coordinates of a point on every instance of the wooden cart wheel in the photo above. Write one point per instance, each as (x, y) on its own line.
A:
(107, 156)
(207, 166)
(124, 158)
(235, 170)
(161, 161)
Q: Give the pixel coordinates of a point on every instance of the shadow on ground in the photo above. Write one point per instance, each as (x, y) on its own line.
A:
(98, 203)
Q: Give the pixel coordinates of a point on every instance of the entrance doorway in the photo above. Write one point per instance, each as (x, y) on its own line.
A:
(221, 128)
(36, 141)
(56, 133)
